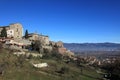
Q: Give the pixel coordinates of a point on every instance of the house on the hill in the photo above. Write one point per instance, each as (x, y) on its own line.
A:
(34, 37)
(13, 30)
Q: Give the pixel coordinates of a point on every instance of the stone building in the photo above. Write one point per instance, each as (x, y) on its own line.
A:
(13, 30)
(33, 36)
(43, 38)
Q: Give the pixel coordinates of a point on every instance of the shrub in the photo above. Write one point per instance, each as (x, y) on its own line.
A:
(0, 45)
(113, 69)
(63, 70)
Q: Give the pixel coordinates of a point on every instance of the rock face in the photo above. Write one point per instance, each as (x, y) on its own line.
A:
(69, 53)
(44, 46)
(59, 48)
(62, 50)
(59, 44)
(52, 43)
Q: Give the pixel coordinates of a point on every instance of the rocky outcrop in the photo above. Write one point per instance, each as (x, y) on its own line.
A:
(40, 65)
(62, 50)
(69, 53)
(59, 48)
(42, 45)
(59, 44)
(28, 54)
(52, 43)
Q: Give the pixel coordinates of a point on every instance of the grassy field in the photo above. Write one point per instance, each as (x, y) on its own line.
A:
(20, 68)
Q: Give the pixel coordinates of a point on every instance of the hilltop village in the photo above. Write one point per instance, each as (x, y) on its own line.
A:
(14, 39)
(35, 57)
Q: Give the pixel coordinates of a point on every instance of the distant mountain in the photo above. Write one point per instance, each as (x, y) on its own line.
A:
(78, 47)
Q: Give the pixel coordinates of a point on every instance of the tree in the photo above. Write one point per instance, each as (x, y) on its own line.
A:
(26, 34)
(3, 32)
(113, 70)
(37, 45)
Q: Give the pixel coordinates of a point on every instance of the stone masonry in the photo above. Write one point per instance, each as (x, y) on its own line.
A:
(13, 30)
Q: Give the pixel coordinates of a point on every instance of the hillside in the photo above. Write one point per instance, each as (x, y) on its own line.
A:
(14, 67)
(78, 47)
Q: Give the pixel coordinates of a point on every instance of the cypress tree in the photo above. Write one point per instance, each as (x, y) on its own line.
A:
(26, 34)
(3, 32)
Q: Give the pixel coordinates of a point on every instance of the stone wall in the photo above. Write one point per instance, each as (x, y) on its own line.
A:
(33, 36)
(45, 39)
(13, 30)
(18, 30)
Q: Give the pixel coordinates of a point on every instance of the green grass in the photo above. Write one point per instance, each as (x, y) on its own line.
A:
(19, 68)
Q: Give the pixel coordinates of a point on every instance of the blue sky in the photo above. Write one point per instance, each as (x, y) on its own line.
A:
(73, 21)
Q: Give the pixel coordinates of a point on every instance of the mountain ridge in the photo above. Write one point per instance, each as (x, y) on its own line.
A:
(106, 46)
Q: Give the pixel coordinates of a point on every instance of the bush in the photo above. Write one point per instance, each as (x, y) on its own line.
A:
(46, 51)
(55, 56)
(113, 69)
(63, 70)
(1, 45)
(20, 61)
